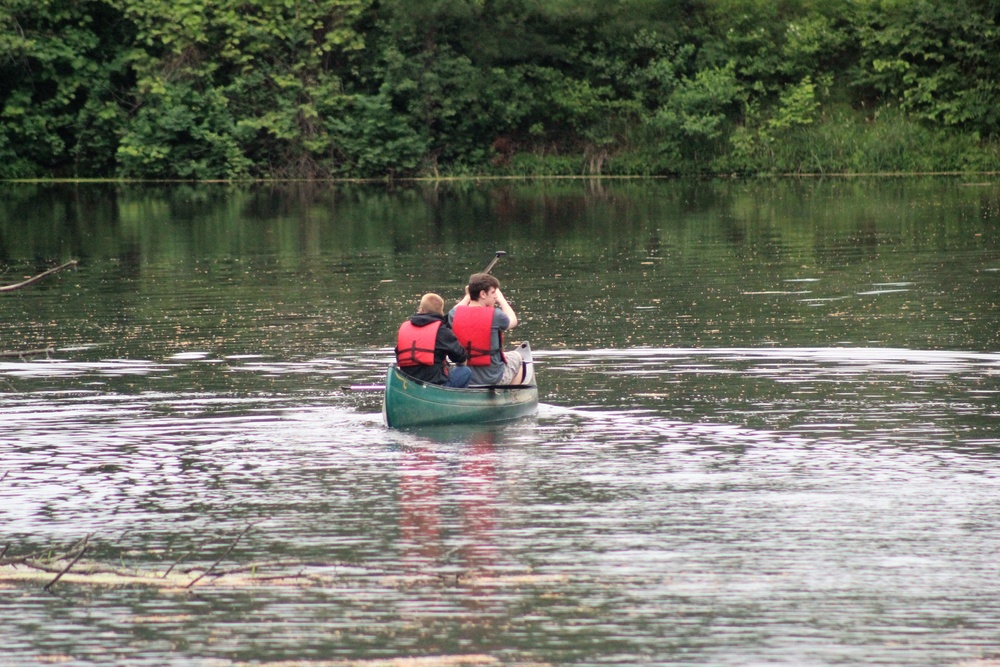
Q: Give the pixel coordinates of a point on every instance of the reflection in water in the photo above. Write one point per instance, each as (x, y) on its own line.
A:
(420, 507)
(479, 511)
(429, 485)
(601, 527)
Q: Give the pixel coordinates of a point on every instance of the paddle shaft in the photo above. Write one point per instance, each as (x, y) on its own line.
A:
(493, 262)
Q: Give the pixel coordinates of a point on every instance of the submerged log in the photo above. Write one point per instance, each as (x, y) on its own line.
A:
(20, 354)
(67, 566)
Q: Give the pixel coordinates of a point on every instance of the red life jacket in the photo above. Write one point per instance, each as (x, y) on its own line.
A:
(415, 345)
(472, 327)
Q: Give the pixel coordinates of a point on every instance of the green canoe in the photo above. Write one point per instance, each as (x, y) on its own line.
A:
(409, 402)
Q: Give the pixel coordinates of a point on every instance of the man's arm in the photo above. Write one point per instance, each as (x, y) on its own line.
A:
(451, 346)
(506, 309)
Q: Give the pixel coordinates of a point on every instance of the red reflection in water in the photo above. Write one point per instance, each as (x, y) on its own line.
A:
(423, 491)
(420, 505)
(479, 514)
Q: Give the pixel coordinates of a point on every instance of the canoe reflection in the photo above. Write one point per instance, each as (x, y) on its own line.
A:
(447, 503)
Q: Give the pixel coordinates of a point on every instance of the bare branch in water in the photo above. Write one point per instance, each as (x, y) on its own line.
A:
(71, 564)
(25, 283)
(221, 558)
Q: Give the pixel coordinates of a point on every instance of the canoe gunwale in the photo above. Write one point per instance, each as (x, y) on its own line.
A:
(471, 387)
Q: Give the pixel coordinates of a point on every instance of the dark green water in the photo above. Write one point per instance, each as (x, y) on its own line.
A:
(768, 433)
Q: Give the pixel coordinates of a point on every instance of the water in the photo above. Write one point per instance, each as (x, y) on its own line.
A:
(768, 431)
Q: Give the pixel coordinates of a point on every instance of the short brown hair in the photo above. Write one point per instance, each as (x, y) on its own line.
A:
(432, 303)
(481, 282)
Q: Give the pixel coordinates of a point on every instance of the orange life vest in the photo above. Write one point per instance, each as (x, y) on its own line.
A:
(415, 345)
(472, 327)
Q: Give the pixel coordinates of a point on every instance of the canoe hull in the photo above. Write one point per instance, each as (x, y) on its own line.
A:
(408, 402)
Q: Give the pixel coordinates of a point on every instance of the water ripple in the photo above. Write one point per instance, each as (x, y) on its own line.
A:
(828, 497)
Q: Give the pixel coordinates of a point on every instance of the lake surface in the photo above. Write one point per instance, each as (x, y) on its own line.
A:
(769, 430)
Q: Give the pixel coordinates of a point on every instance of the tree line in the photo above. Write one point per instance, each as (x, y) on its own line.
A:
(240, 89)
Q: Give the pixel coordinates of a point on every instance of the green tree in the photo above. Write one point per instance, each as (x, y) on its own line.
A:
(938, 61)
(234, 88)
(206, 89)
(63, 76)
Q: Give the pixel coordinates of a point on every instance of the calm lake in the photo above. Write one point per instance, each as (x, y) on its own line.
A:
(769, 430)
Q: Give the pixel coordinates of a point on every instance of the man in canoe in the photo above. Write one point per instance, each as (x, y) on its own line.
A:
(479, 321)
(425, 341)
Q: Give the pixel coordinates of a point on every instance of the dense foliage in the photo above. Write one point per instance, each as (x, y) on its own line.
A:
(228, 89)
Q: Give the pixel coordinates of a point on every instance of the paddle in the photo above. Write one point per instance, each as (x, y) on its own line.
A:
(489, 267)
(381, 387)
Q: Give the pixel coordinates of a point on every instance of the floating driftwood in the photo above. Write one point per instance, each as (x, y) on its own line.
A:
(471, 660)
(267, 573)
(93, 574)
(48, 569)
(68, 566)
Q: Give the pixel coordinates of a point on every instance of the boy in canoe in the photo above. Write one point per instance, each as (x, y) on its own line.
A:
(479, 321)
(425, 341)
